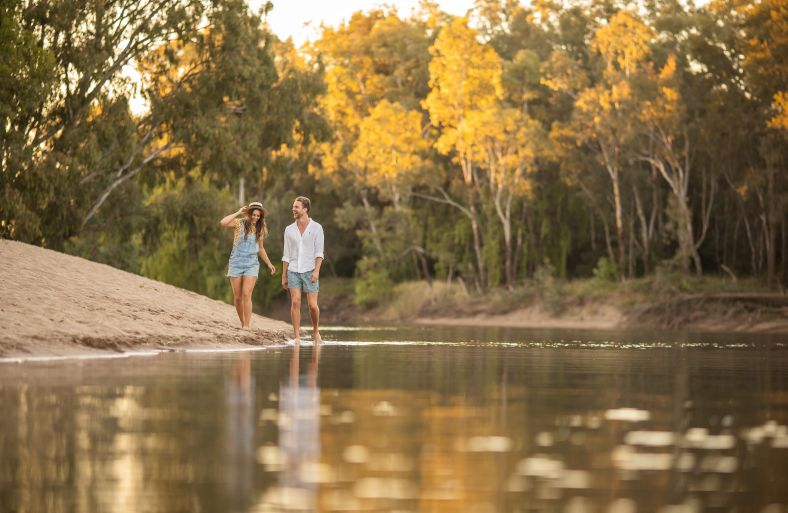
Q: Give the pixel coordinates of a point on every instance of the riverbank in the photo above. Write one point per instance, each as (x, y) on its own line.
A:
(661, 303)
(55, 304)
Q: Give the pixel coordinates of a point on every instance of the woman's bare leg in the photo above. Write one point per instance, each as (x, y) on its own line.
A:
(235, 282)
(247, 287)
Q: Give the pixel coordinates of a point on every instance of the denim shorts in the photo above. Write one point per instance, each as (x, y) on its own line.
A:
(302, 281)
(247, 265)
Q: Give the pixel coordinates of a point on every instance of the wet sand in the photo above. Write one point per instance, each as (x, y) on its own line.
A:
(58, 305)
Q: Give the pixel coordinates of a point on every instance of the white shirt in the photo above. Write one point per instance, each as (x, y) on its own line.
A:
(301, 250)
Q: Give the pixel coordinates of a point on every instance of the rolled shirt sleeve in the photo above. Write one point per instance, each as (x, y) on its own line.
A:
(287, 251)
(319, 241)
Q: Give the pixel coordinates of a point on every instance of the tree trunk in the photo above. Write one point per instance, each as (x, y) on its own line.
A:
(614, 175)
(468, 176)
(477, 243)
(771, 220)
(687, 250)
(505, 215)
(371, 220)
(645, 237)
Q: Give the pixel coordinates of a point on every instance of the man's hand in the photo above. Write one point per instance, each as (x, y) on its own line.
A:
(314, 276)
(284, 281)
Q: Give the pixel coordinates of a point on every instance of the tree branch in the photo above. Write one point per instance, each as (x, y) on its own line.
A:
(446, 200)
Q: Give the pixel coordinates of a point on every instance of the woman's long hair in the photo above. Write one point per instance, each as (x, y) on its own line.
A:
(260, 227)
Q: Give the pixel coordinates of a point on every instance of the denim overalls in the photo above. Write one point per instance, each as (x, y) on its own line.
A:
(243, 259)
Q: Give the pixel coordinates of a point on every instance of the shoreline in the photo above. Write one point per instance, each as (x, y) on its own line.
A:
(765, 328)
(610, 317)
(132, 354)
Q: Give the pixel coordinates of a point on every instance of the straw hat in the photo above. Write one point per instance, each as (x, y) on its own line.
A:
(257, 205)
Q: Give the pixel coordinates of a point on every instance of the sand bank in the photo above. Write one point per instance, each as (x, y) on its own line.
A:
(53, 304)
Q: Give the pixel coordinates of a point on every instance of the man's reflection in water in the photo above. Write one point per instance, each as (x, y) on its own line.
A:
(239, 428)
(299, 433)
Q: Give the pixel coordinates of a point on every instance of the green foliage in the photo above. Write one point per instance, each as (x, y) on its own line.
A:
(183, 243)
(115, 238)
(605, 270)
(548, 286)
(26, 82)
(373, 285)
(493, 255)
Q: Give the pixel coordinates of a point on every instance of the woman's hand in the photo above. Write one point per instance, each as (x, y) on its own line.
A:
(230, 220)
(271, 268)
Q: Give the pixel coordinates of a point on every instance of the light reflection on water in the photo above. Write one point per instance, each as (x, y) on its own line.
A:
(456, 420)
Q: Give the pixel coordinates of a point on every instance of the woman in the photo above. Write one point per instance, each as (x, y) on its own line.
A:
(244, 266)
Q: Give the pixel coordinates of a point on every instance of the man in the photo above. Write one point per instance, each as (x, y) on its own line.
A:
(302, 257)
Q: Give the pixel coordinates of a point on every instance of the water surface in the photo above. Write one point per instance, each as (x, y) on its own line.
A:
(407, 419)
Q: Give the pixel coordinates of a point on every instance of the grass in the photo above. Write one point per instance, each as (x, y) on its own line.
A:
(412, 299)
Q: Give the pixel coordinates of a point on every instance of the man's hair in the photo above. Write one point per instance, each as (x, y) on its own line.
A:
(305, 202)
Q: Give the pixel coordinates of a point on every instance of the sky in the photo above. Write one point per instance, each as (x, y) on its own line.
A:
(301, 19)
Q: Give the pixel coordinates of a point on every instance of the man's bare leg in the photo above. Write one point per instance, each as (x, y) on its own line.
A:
(314, 313)
(238, 299)
(247, 287)
(295, 313)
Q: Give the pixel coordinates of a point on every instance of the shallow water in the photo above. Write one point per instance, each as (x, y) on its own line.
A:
(407, 419)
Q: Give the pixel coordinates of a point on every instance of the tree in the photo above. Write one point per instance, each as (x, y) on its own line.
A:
(465, 80)
(667, 149)
(83, 49)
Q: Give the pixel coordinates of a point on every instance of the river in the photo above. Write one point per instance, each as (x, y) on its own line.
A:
(407, 419)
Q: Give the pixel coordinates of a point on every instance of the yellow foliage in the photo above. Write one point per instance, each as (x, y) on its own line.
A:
(564, 74)
(620, 92)
(780, 105)
(624, 41)
(668, 71)
(390, 145)
(670, 94)
(465, 77)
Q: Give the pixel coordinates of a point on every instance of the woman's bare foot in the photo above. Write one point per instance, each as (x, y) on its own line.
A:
(317, 338)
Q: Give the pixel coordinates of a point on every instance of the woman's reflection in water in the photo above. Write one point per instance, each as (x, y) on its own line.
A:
(299, 433)
(239, 435)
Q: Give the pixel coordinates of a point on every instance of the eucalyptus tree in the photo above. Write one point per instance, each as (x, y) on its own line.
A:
(465, 81)
(84, 48)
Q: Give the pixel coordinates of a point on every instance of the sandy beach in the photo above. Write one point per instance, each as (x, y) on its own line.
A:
(55, 304)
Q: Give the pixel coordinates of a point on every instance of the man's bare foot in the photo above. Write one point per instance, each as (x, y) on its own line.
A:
(316, 337)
